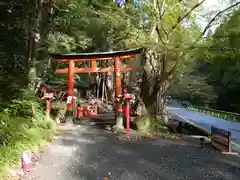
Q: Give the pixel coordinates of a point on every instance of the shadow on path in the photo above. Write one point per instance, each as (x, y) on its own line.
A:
(85, 153)
(162, 159)
(100, 121)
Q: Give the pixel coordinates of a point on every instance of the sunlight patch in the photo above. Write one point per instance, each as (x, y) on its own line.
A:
(61, 149)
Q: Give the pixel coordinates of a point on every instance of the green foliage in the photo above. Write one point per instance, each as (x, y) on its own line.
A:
(214, 78)
(13, 71)
(221, 66)
(143, 123)
(148, 125)
(216, 113)
(26, 106)
(88, 26)
(193, 87)
(22, 127)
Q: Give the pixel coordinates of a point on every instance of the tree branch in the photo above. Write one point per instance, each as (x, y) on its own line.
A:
(210, 23)
(159, 35)
(214, 18)
(180, 19)
(164, 65)
(160, 8)
(170, 72)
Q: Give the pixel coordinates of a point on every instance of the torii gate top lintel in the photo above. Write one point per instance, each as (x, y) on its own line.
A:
(125, 54)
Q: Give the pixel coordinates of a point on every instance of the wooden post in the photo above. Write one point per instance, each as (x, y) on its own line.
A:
(103, 87)
(71, 67)
(48, 108)
(79, 111)
(127, 116)
(117, 83)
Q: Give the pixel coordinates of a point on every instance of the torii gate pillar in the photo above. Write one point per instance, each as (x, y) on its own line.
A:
(71, 67)
(118, 92)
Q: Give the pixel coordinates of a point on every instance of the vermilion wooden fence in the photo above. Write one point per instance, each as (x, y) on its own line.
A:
(222, 140)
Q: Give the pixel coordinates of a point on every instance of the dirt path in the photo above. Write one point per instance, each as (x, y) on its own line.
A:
(85, 153)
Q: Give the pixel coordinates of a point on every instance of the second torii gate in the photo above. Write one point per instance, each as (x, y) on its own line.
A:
(117, 56)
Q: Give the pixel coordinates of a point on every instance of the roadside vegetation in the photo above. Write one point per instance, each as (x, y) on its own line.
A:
(216, 113)
(22, 127)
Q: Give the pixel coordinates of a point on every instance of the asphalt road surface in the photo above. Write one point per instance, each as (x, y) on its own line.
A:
(203, 120)
(85, 153)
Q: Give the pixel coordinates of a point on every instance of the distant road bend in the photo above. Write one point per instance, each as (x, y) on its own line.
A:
(205, 121)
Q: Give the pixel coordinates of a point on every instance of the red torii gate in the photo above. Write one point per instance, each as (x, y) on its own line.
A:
(117, 56)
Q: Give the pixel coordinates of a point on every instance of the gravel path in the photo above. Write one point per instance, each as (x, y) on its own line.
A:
(85, 153)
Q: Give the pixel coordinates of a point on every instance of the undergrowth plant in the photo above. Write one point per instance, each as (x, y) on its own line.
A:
(22, 127)
(149, 126)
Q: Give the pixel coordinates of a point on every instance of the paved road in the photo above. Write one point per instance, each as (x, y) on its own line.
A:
(84, 153)
(203, 120)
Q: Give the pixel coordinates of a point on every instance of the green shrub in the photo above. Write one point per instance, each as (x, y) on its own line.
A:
(11, 127)
(149, 125)
(143, 123)
(27, 106)
(22, 127)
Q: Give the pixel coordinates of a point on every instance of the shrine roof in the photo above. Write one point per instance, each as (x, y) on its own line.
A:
(96, 55)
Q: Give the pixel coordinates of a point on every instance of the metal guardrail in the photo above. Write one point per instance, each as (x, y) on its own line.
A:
(216, 113)
(233, 146)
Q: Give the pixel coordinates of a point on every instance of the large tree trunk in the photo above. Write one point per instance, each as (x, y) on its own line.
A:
(156, 81)
(44, 25)
(32, 26)
(148, 107)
